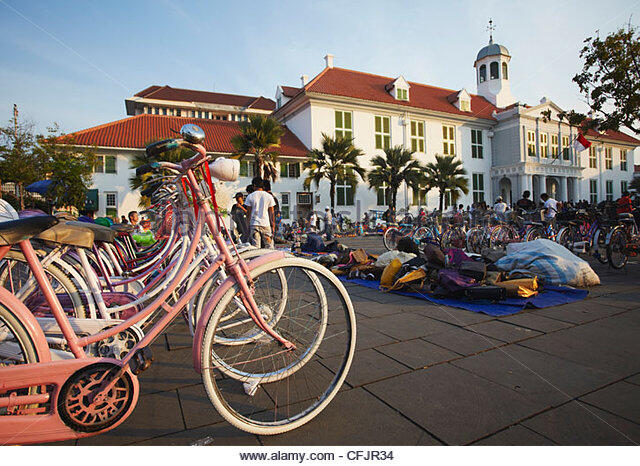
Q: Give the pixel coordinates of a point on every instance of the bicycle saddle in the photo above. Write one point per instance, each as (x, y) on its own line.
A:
(625, 216)
(14, 231)
(72, 235)
(100, 233)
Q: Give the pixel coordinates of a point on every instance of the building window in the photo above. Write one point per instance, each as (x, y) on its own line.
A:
(505, 73)
(449, 140)
(609, 189)
(402, 94)
(465, 105)
(624, 185)
(279, 102)
(105, 164)
(566, 149)
(544, 145)
(478, 187)
(344, 194)
(494, 70)
(344, 125)
(383, 195)
(285, 201)
(623, 160)
(531, 143)
(593, 191)
(417, 136)
(554, 146)
(289, 170)
(608, 158)
(593, 157)
(111, 205)
(383, 133)
(419, 196)
(476, 144)
(483, 73)
(247, 169)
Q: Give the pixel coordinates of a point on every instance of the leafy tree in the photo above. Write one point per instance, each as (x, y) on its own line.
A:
(396, 166)
(68, 165)
(260, 136)
(20, 162)
(447, 175)
(139, 159)
(610, 79)
(336, 161)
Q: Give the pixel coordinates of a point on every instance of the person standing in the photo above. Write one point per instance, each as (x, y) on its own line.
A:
(260, 209)
(239, 217)
(525, 203)
(549, 208)
(328, 224)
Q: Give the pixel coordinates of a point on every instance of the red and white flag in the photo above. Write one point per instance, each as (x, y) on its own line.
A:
(581, 143)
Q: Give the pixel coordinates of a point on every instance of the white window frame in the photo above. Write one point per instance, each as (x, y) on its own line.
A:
(449, 139)
(250, 168)
(544, 145)
(421, 194)
(593, 157)
(608, 190)
(531, 143)
(624, 186)
(623, 160)
(402, 93)
(465, 105)
(608, 158)
(285, 207)
(566, 148)
(382, 139)
(554, 146)
(384, 188)
(593, 191)
(343, 131)
(478, 191)
(477, 150)
(418, 143)
(345, 188)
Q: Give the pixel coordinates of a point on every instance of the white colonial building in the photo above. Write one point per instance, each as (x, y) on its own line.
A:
(506, 146)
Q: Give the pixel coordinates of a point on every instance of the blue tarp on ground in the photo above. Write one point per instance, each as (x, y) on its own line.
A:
(551, 296)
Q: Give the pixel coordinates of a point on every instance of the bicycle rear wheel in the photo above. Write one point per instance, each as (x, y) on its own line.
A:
(390, 238)
(616, 248)
(256, 384)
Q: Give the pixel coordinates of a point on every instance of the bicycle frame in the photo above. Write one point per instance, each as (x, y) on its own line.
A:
(50, 427)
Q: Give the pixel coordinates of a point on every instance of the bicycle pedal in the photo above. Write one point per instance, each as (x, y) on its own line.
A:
(141, 360)
(250, 388)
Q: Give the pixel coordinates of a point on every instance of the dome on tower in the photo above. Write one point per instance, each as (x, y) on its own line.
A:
(492, 49)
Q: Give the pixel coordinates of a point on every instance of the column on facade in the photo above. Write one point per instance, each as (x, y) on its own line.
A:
(542, 185)
(563, 188)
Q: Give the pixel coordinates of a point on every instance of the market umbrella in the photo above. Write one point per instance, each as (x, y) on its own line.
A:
(40, 187)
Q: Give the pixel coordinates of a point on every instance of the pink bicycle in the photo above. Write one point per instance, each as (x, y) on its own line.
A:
(259, 342)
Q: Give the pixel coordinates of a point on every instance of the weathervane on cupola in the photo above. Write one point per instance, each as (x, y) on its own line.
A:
(491, 28)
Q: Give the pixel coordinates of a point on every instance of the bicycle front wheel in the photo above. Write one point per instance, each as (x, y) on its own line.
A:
(617, 247)
(255, 383)
(390, 238)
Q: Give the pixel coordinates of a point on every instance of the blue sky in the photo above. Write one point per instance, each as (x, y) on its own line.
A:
(74, 62)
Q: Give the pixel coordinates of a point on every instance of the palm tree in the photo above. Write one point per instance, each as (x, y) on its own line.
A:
(336, 161)
(447, 175)
(139, 182)
(259, 136)
(396, 166)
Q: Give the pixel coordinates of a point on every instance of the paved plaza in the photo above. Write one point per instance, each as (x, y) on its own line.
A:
(425, 374)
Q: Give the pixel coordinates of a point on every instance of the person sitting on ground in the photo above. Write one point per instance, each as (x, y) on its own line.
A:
(260, 206)
(549, 208)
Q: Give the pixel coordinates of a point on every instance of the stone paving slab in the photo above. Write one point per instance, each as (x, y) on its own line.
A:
(355, 417)
(418, 353)
(622, 399)
(535, 321)
(503, 331)
(515, 436)
(454, 405)
(368, 366)
(463, 341)
(579, 424)
(407, 326)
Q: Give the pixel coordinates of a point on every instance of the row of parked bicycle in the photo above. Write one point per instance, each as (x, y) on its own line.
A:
(611, 239)
(81, 305)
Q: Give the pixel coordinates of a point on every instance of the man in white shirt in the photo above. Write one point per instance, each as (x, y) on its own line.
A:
(260, 206)
(550, 208)
(328, 224)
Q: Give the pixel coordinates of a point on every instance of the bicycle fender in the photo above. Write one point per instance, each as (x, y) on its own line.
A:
(31, 324)
(217, 295)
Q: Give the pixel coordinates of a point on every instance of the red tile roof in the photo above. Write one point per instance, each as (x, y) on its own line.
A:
(289, 91)
(359, 85)
(190, 95)
(611, 134)
(137, 131)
